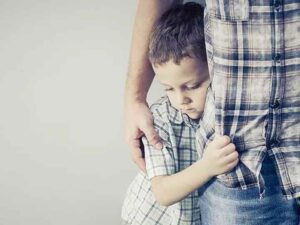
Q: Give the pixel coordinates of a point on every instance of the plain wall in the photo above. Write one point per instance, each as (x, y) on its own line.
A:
(63, 158)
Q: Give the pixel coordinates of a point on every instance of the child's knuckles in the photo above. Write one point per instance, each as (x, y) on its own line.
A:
(218, 144)
(231, 165)
(232, 146)
(236, 155)
(230, 168)
(234, 163)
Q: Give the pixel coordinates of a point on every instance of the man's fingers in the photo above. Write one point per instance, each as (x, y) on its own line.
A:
(153, 138)
(135, 143)
(138, 159)
(140, 162)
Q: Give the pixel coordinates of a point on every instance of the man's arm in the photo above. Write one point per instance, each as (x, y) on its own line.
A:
(139, 119)
(219, 157)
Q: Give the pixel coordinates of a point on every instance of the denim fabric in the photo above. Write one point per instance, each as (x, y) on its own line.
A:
(234, 206)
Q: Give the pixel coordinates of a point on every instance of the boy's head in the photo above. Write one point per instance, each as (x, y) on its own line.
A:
(177, 54)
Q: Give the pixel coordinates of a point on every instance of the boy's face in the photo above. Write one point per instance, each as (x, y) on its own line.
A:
(186, 84)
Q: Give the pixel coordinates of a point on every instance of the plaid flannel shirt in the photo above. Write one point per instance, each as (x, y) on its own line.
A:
(253, 50)
(178, 133)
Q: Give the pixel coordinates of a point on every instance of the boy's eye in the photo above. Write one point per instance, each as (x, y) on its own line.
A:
(168, 89)
(194, 86)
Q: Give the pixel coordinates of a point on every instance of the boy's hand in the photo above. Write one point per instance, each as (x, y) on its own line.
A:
(220, 156)
(139, 122)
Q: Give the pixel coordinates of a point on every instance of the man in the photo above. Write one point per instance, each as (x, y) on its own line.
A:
(254, 50)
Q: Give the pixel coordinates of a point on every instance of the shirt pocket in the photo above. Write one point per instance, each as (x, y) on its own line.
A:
(229, 10)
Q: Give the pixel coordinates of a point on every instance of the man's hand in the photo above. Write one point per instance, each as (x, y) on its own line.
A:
(139, 119)
(220, 156)
(139, 122)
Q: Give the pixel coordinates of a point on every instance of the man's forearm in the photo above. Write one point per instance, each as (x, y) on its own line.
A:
(140, 72)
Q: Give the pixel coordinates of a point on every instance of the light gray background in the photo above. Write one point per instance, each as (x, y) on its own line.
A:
(63, 159)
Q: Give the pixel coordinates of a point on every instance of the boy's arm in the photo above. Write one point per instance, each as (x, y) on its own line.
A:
(219, 157)
(139, 120)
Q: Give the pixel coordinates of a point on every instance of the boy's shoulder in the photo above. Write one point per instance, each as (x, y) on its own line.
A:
(163, 111)
(165, 115)
(160, 105)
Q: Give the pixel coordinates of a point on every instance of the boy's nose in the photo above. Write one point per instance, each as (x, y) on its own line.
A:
(182, 99)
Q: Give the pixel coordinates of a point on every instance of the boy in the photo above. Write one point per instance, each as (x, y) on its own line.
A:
(177, 54)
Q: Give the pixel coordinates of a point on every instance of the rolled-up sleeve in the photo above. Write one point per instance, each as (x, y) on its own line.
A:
(159, 162)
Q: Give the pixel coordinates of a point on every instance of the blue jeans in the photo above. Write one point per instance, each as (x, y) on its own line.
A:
(233, 206)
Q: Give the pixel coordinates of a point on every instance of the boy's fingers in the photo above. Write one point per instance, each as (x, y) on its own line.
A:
(221, 141)
(232, 157)
(231, 165)
(228, 149)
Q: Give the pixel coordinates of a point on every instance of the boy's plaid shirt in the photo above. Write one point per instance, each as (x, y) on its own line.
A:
(178, 133)
(253, 50)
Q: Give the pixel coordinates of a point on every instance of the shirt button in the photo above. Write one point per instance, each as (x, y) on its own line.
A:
(277, 58)
(277, 5)
(276, 104)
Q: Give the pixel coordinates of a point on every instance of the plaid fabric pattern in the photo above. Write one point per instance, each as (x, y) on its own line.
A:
(253, 50)
(178, 133)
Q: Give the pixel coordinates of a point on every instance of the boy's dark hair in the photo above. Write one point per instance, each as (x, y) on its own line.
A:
(179, 33)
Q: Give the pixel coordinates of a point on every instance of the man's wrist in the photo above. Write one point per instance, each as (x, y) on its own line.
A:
(135, 94)
(133, 98)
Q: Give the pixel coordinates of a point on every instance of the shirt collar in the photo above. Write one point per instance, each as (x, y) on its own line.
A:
(178, 117)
